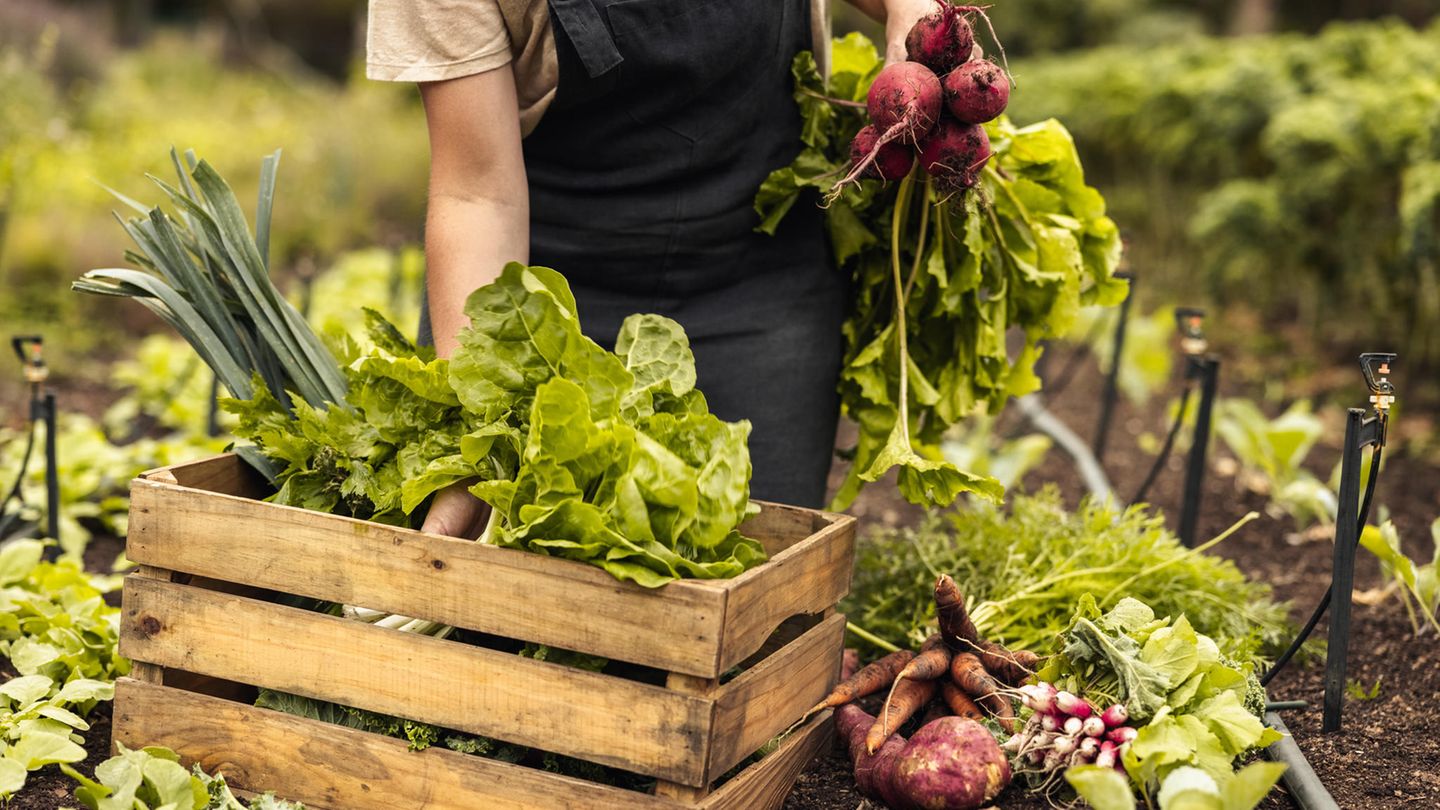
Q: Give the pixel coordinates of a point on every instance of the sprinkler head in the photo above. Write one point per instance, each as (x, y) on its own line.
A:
(1190, 321)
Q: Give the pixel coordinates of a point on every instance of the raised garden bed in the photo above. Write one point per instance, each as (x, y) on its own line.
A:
(208, 618)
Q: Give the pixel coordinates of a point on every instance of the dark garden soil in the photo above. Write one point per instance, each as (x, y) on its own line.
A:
(1387, 755)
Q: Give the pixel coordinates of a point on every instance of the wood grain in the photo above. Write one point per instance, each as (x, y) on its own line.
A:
(599, 718)
(768, 698)
(330, 767)
(226, 473)
(764, 785)
(808, 577)
(456, 582)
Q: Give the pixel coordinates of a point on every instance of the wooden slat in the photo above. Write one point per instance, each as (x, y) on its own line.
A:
(595, 717)
(764, 785)
(330, 767)
(808, 577)
(686, 685)
(479, 587)
(226, 473)
(779, 527)
(766, 699)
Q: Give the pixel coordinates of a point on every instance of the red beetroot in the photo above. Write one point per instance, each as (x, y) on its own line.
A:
(905, 97)
(954, 153)
(940, 40)
(891, 161)
(976, 91)
(874, 773)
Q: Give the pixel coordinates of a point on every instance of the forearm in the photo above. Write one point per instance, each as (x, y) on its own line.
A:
(468, 240)
(898, 16)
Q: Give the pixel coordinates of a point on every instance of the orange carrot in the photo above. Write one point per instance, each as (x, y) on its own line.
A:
(969, 674)
(955, 625)
(934, 710)
(1012, 668)
(870, 679)
(905, 700)
(932, 662)
(960, 704)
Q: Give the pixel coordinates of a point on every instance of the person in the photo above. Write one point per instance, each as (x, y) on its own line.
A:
(623, 146)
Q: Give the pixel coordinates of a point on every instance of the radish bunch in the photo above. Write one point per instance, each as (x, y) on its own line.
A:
(1067, 730)
(929, 108)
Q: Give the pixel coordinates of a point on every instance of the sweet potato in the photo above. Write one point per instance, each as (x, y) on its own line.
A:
(950, 764)
(874, 773)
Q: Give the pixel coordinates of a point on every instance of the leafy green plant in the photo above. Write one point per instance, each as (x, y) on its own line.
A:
(152, 778)
(1250, 141)
(1416, 584)
(1272, 453)
(1198, 710)
(973, 445)
(1147, 360)
(1022, 573)
(59, 635)
(1356, 690)
(94, 475)
(941, 280)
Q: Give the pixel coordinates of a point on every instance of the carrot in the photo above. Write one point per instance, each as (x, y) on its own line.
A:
(932, 662)
(1012, 668)
(870, 679)
(955, 625)
(969, 674)
(933, 711)
(905, 700)
(960, 703)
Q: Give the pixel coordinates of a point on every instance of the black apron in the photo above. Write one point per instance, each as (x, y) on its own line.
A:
(668, 116)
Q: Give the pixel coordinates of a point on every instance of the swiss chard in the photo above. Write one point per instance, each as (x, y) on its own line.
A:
(956, 274)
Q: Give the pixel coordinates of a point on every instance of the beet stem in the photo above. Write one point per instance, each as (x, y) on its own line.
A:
(902, 206)
(841, 102)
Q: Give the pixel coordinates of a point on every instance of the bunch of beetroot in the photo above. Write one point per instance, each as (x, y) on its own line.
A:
(1068, 730)
(931, 106)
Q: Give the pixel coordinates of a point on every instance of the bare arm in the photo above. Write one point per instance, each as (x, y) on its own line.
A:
(479, 208)
(477, 221)
(898, 16)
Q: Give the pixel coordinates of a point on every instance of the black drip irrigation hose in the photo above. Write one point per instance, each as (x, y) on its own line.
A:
(1300, 780)
(1330, 591)
(1169, 445)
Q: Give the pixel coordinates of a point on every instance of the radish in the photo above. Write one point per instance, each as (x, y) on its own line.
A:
(976, 91)
(1089, 746)
(1040, 697)
(1073, 705)
(1065, 745)
(1115, 715)
(1107, 756)
(1094, 726)
(1049, 723)
(1122, 735)
(953, 154)
(940, 40)
(891, 162)
(1073, 726)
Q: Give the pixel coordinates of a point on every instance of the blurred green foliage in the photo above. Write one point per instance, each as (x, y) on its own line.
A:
(354, 164)
(1298, 175)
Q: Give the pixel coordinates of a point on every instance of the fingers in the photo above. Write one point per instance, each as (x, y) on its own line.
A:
(456, 513)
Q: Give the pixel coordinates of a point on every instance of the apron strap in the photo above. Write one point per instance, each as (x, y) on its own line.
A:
(592, 39)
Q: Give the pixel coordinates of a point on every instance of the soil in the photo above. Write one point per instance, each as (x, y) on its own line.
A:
(1381, 758)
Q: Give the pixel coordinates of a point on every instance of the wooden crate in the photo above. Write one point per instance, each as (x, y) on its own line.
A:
(204, 623)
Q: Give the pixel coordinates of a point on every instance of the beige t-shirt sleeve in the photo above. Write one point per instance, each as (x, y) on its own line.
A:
(431, 40)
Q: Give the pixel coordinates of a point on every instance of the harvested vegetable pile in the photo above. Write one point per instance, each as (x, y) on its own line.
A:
(959, 684)
(1025, 568)
(608, 458)
(1184, 716)
(996, 234)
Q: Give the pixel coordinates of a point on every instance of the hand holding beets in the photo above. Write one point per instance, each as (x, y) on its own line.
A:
(914, 111)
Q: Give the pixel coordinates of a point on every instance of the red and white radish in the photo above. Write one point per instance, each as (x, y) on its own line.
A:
(1115, 715)
(1093, 727)
(1073, 705)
